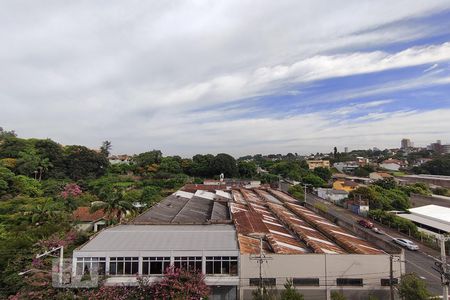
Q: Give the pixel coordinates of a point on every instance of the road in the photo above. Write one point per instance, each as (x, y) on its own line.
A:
(417, 262)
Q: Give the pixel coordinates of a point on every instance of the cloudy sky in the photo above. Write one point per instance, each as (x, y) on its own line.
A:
(238, 76)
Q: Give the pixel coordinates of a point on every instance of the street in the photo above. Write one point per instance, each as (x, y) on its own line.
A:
(417, 262)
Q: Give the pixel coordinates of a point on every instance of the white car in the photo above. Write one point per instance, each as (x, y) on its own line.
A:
(406, 243)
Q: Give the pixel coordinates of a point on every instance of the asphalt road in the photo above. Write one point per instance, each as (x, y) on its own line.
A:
(417, 262)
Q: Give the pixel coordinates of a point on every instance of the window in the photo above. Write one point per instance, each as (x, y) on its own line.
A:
(349, 281)
(190, 263)
(222, 265)
(265, 281)
(123, 265)
(385, 281)
(87, 265)
(306, 281)
(155, 265)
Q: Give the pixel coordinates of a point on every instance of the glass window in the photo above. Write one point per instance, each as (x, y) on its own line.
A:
(193, 263)
(349, 282)
(123, 265)
(222, 265)
(265, 281)
(305, 281)
(155, 265)
(90, 264)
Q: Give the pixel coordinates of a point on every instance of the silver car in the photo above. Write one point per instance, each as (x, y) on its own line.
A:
(406, 243)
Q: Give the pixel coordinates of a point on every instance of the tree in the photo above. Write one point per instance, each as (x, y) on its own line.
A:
(289, 292)
(246, 169)
(323, 173)
(26, 186)
(335, 152)
(297, 192)
(170, 165)
(181, 284)
(52, 158)
(6, 134)
(106, 148)
(224, 163)
(112, 203)
(335, 295)
(413, 288)
(314, 180)
(82, 163)
(147, 158)
(437, 166)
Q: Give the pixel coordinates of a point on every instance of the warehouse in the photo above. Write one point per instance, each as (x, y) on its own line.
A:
(222, 234)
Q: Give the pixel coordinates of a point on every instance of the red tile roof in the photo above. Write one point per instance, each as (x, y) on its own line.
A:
(83, 214)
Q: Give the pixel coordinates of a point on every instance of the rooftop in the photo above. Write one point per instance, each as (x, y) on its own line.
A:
(433, 212)
(83, 214)
(164, 237)
(186, 208)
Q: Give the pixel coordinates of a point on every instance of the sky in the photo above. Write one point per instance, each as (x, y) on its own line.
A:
(234, 76)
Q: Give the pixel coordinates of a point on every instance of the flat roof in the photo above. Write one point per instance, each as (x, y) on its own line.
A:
(426, 221)
(427, 176)
(433, 212)
(217, 237)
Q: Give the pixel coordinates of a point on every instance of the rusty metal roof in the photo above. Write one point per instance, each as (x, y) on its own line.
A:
(283, 196)
(268, 197)
(310, 236)
(237, 197)
(340, 236)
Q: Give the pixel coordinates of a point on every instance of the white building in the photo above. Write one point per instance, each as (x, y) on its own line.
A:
(335, 196)
(432, 219)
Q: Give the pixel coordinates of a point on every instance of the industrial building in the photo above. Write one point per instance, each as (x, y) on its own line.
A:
(240, 238)
(431, 219)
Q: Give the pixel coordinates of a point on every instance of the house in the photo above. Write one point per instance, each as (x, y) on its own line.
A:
(85, 220)
(346, 167)
(345, 185)
(312, 164)
(380, 175)
(393, 164)
(332, 195)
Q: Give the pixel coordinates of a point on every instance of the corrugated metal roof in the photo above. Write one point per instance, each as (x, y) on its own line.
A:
(175, 209)
(282, 196)
(268, 197)
(340, 236)
(433, 212)
(310, 236)
(164, 237)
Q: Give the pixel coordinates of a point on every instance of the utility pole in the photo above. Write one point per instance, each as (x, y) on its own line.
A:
(261, 259)
(391, 276)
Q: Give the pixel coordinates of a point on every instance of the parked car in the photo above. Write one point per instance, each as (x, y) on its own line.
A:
(377, 230)
(365, 223)
(406, 243)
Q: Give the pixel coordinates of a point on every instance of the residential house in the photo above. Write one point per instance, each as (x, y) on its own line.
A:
(312, 164)
(380, 175)
(393, 164)
(345, 185)
(85, 220)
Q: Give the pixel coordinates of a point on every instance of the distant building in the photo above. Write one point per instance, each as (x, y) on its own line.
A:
(393, 164)
(345, 185)
(436, 147)
(332, 195)
(85, 220)
(346, 167)
(380, 175)
(446, 149)
(405, 144)
(312, 164)
(345, 149)
(431, 219)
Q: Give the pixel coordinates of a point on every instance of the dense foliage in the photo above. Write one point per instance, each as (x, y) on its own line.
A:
(438, 166)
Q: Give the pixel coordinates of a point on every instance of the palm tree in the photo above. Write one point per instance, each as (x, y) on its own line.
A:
(113, 203)
(41, 214)
(44, 165)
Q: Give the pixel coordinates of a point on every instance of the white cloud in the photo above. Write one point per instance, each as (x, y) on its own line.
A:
(89, 70)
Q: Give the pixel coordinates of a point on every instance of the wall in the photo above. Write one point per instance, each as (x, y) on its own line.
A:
(326, 267)
(419, 200)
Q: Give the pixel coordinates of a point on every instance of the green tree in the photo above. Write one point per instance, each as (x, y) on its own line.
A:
(51, 153)
(6, 178)
(224, 163)
(170, 165)
(246, 169)
(26, 186)
(297, 192)
(82, 163)
(106, 148)
(147, 158)
(335, 295)
(289, 292)
(113, 203)
(314, 180)
(323, 173)
(413, 288)
(202, 165)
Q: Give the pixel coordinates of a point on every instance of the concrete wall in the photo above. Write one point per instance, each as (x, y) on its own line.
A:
(326, 267)
(419, 200)
(434, 181)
